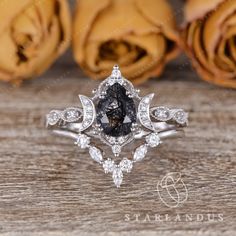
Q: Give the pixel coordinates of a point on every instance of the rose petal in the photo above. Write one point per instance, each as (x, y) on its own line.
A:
(32, 35)
(209, 40)
(86, 13)
(195, 9)
(122, 32)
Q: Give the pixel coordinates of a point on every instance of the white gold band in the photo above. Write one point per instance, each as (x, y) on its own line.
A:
(117, 116)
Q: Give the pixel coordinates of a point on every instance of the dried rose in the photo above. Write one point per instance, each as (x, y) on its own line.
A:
(138, 35)
(210, 39)
(32, 35)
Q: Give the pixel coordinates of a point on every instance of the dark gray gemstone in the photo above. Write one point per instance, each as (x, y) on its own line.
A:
(116, 112)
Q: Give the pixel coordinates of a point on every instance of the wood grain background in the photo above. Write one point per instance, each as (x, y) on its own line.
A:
(50, 187)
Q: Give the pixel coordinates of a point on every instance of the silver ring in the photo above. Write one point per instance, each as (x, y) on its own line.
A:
(116, 115)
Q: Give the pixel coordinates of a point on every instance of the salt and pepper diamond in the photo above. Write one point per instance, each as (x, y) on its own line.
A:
(116, 111)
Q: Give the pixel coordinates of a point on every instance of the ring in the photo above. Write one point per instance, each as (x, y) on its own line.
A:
(116, 115)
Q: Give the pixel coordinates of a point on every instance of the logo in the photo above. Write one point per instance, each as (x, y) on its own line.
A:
(172, 190)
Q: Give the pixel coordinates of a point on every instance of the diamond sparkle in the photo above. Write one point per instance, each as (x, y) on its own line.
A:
(83, 141)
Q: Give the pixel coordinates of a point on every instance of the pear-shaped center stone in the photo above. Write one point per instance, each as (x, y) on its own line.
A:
(116, 111)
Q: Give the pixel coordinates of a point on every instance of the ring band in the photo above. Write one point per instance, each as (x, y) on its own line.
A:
(117, 116)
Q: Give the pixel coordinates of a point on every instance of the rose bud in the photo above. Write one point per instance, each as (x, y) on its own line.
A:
(32, 35)
(210, 39)
(138, 35)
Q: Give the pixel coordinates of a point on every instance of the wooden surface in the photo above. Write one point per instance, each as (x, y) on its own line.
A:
(50, 187)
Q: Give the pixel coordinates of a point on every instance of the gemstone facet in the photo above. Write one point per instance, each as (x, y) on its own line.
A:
(117, 176)
(162, 113)
(116, 112)
(140, 153)
(95, 154)
(53, 117)
(126, 165)
(153, 140)
(83, 141)
(181, 117)
(108, 165)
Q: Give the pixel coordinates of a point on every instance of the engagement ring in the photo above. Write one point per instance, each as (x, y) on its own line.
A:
(117, 115)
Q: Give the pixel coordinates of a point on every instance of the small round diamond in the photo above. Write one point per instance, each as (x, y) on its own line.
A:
(116, 149)
(181, 117)
(162, 113)
(126, 165)
(53, 117)
(71, 114)
(83, 141)
(116, 72)
(153, 140)
(108, 166)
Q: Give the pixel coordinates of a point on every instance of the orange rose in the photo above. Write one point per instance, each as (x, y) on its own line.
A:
(138, 35)
(32, 35)
(210, 39)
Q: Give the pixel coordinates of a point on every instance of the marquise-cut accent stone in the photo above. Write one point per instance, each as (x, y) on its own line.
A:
(140, 153)
(117, 176)
(96, 154)
(116, 112)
